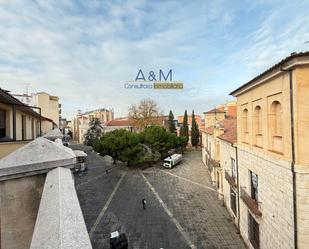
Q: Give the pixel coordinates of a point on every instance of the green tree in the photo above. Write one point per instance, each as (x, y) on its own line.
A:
(121, 145)
(156, 138)
(171, 123)
(184, 130)
(133, 150)
(111, 144)
(161, 141)
(195, 136)
(94, 132)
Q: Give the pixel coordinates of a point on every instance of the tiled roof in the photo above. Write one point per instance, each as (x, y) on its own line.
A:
(10, 99)
(209, 130)
(119, 122)
(232, 111)
(230, 130)
(292, 56)
(198, 119)
(96, 110)
(216, 110)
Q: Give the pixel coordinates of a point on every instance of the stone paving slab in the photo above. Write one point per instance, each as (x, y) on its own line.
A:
(150, 228)
(198, 210)
(188, 194)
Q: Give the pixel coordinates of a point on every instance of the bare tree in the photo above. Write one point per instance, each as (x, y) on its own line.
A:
(144, 114)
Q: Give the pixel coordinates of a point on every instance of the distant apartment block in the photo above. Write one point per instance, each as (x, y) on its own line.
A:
(80, 124)
(50, 107)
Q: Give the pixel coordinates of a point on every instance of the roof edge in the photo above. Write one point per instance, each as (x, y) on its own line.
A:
(249, 84)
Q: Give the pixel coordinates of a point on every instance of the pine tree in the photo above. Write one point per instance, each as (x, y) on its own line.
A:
(195, 136)
(94, 132)
(185, 128)
(171, 124)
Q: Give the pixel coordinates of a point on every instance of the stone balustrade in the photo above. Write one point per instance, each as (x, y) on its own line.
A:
(39, 207)
(60, 223)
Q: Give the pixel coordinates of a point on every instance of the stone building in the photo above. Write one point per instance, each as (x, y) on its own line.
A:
(19, 123)
(117, 124)
(212, 151)
(217, 121)
(228, 161)
(80, 123)
(220, 112)
(49, 104)
(273, 161)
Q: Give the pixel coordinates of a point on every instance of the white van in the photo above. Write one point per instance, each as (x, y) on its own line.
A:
(172, 161)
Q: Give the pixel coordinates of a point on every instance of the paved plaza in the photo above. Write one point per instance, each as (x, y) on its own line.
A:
(182, 209)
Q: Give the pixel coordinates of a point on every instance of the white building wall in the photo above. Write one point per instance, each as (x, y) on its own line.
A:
(275, 198)
(227, 152)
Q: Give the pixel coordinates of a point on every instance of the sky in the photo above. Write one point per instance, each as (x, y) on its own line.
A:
(85, 51)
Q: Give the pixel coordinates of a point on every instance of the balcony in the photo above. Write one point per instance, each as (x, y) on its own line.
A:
(230, 179)
(250, 203)
(215, 163)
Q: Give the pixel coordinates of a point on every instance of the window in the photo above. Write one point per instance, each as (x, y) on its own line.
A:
(217, 150)
(254, 186)
(276, 118)
(234, 168)
(244, 124)
(37, 128)
(257, 120)
(32, 128)
(257, 126)
(233, 200)
(2, 124)
(254, 232)
(23, 127)
(218, 180)
(275, 127)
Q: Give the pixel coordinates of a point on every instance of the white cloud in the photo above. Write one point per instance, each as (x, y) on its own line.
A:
(85, 52)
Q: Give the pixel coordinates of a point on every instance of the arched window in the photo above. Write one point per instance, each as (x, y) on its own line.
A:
(245, 120)
(276, 118)
(257, 120)
(244, 125)
(275, 127)
(257, 126)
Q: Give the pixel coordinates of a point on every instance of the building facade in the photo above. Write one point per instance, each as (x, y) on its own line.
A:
(80, 123)
(19, 123)
(118, 124)
(273, 162)
(213, 155)
(49, 104)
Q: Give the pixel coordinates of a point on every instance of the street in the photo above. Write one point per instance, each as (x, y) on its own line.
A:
(182, 209)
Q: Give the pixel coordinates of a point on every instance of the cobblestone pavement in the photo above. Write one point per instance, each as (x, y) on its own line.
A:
(182, 209)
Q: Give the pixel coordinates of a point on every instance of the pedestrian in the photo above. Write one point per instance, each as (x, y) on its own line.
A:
(144, 203)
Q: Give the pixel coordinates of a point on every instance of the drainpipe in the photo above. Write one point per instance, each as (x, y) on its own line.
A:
(293, 153)
(238, 191)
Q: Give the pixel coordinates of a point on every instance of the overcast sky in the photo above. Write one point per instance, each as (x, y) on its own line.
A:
(85, 51)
